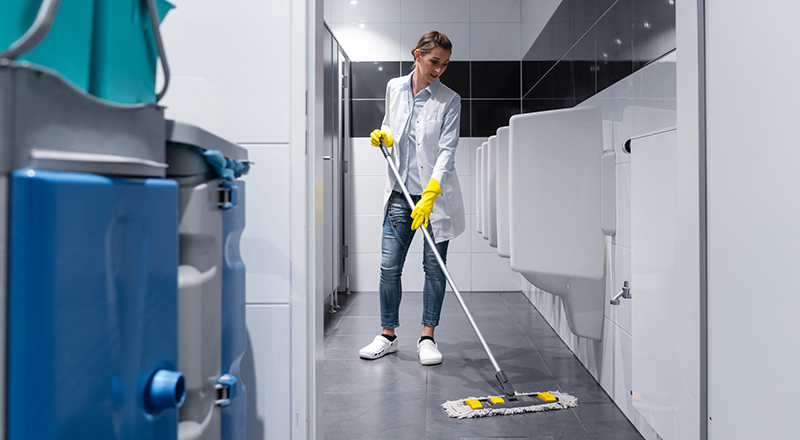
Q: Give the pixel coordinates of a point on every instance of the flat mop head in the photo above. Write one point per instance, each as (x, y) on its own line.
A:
(472, 407)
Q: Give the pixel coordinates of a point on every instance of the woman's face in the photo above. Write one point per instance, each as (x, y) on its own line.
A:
(431, 65)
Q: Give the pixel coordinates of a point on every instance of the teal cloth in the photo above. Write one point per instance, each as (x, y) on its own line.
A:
(226, 168)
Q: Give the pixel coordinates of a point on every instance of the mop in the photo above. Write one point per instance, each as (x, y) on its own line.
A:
(512, 402)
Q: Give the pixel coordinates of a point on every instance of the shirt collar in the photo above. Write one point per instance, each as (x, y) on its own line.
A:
(432, 87)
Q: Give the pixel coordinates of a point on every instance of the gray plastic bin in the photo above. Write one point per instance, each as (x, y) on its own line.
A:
(204, 197)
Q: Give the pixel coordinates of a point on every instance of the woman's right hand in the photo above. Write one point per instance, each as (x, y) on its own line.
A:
(375, 138)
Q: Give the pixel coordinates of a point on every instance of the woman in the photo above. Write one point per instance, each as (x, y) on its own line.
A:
(421, 126)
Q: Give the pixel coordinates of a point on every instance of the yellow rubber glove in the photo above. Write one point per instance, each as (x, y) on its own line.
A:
(422, 211)
(375, 138)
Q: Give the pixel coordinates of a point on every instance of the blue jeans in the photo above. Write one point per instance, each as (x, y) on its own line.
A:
(397, 236)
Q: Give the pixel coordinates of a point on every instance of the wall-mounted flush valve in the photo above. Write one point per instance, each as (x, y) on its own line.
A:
(624, 293)
(167, 390)
(226, 390)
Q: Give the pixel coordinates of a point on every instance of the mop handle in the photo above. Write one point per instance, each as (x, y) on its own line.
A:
(431, 243)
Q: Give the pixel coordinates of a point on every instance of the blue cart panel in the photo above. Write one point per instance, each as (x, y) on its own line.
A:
(92, 305)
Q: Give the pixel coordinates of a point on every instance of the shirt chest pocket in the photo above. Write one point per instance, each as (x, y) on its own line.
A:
(430, 133)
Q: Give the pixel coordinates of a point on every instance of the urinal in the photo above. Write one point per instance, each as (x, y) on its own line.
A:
(502, 193)
(479, 189)
(491, 191)
(484, 213)
(556, 240)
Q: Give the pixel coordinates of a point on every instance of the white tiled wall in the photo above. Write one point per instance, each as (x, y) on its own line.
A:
(481, 30)
(234, 98)
(639, 104)
(265, 245)
(473, 264)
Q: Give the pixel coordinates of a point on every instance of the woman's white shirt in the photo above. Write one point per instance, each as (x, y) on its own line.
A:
(436, 130)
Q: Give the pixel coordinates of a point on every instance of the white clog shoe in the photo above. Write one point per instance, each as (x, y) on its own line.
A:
(379, 347)
(428, 352)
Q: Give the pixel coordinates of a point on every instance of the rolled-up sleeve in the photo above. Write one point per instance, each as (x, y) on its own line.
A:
(448, 141)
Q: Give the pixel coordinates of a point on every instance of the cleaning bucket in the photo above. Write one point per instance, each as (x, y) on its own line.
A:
(67, 48)
(124, 54)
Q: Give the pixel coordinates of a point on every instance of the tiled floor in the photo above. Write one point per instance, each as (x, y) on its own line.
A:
(397, 398)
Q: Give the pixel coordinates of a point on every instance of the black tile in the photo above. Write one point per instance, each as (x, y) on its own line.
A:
(560, 80)
(369, 78)
(653, 30)
(582, 67)
(609, 72)
(602, 6)
(466, 111)
(496, 79)
(456, 76)
(367, 115)
(489, 115)
(583, 17)
(614, 45)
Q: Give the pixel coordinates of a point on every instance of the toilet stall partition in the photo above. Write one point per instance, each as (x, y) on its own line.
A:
(211, 304)
(555, 222)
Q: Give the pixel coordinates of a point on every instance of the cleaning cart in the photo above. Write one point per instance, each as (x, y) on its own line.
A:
(96, 300)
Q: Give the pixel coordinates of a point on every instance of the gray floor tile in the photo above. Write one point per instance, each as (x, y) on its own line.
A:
(373, 416)
(389, 375)
(358, 325)
(390, 397)
(605, 421)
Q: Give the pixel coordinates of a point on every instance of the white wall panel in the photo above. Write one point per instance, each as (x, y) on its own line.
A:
(753, 216)
(495, 274)
(460, 244)
(473, 148)
(378, 11)
(369, 41)
(621, 272)
(466, 192)
(265, 245)
(495, 11)
(439, 11)
(623, 235)
(463, 164)
(495, 42)
(367, 194)
(479, 244)
(366, 160)
(266, 371)
(221, 84)
(538, 10)
(654, 277)
(366, 233)
(365, 270)
(458, 33)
